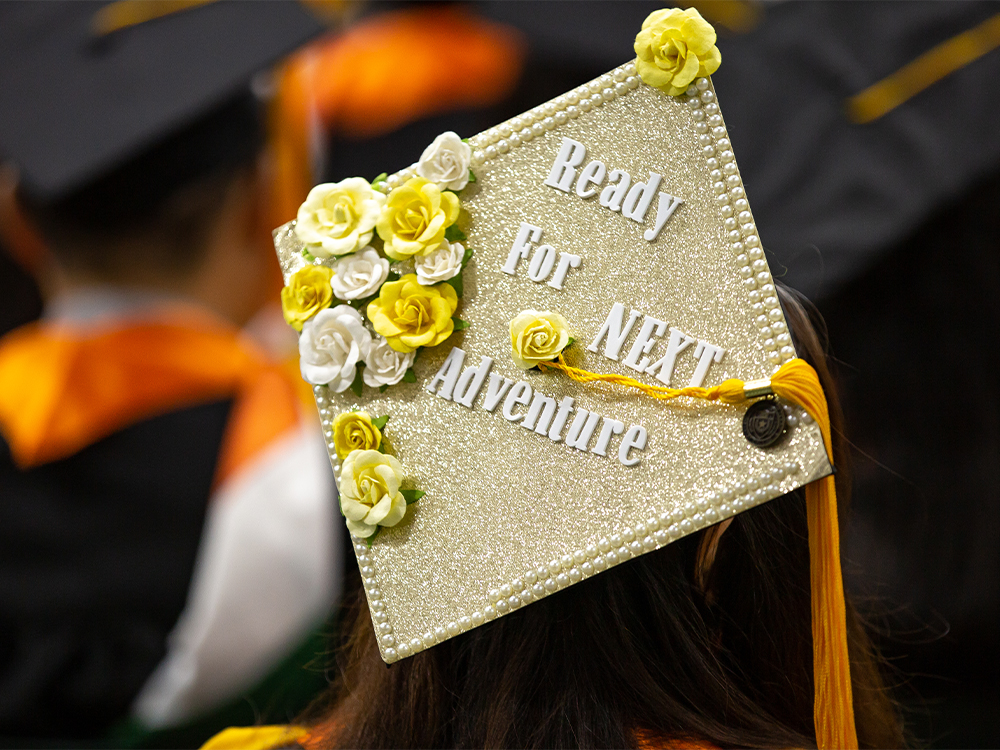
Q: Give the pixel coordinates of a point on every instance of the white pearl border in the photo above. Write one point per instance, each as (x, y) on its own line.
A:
(647, 536)
(752, 267)
(499, 140)
(737, 219)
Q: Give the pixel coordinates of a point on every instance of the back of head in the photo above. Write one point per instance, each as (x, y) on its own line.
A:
(157, 208)
(707, 640)
(128, 121)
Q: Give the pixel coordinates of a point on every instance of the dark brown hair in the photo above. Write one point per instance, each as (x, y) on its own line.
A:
(164, 200)
(639, 655)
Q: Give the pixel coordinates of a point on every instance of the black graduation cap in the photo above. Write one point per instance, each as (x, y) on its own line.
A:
(78, 100)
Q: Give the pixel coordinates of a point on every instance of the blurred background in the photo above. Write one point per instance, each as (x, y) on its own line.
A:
(868, 136)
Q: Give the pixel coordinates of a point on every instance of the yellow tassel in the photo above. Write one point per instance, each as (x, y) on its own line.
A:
(795, 381)
(833, 706)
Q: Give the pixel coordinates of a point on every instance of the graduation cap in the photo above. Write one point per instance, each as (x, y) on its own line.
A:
(557, 346)
(85, 87)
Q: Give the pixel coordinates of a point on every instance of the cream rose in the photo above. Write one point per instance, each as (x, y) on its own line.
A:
(440, 265)
(338, 218)
(369, 492)
(537, 337)
(446, 162)
(384, 365)
(359, 275)
(331, 345)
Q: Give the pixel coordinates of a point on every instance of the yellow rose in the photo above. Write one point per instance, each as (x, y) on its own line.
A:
(338, 218)
(415, 217)
(354, 431)
(369, 492)
(537, 337)
(307, 293)
(675, 47)
(411, 315)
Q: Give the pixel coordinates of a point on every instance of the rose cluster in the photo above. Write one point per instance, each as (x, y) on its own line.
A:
(350, 231)
(370, 482)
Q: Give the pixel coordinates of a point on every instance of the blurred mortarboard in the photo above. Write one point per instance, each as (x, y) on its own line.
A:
(82, 93)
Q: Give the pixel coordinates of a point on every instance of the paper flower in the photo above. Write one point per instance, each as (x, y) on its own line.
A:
(537, 337)
(369, 492)
(331, 345)
(384, 365)
(441, 264)
(410, 315)
(307, 293)
(354, 431)
(338, 218)
(446, 162)
(675, 47)
(359, 275)
(415, 217)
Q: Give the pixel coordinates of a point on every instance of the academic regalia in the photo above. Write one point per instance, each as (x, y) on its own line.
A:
(165, 500)
(158, 475)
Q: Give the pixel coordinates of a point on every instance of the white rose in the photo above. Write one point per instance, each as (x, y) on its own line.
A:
(331, 345)
(446, 162)
(338, 218)
(441, 264)
(359, 275)
(384, 365)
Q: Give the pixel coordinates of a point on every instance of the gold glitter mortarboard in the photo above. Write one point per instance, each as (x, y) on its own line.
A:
(604, 366)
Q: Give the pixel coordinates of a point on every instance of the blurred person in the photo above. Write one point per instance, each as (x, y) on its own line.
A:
(166, 507)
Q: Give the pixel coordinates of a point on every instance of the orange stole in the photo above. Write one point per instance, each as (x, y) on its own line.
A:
(63, 388)
(383, 72)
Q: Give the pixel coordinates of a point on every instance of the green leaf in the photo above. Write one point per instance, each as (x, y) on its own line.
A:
(455, 282)
(308, 255)
(392, 276)
(380, 422)
(358, 381)
(469, 252)
(372, 537)
(411, 496)
(569, 343)
(361, 304)
(466, 140)
(409, 376)
(472, 176)
(381, 178)
(460, 325)
(383, 388)
(454, 234)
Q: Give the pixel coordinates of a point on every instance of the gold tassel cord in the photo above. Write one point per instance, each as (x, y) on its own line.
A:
(730, 392)
(795, 381)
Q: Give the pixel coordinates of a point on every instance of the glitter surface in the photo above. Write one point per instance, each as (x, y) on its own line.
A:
(502, 500)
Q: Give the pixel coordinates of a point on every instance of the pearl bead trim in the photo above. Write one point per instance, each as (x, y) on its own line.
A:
(751, 266)
(573, 567)
(738, 221)
(647, 536)
(538, 121)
